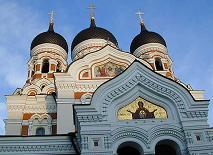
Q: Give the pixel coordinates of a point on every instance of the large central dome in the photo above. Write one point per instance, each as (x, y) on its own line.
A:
(93, 32)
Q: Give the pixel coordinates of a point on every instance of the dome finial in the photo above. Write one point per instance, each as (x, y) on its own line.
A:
(92, 22)
(92, 10)
(52, 13)
(140, 14)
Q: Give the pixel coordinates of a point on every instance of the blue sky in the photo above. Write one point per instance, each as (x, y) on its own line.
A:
(186, 25)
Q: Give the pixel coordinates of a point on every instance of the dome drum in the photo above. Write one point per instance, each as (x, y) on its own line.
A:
(89, 46)
(149, 47)
(48, 48)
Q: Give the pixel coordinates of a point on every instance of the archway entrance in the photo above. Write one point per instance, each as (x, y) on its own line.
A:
(167, 147)
(129, 148)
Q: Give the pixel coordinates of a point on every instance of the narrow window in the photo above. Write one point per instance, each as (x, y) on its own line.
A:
(198, 137)
(59, 68)
(45, 66)
(158, 64)
(95, 143)
(40, 131)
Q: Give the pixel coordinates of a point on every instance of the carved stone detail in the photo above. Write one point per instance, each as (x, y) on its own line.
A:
(36, 148)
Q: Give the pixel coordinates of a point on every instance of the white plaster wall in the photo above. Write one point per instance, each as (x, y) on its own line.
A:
(65, 123)
(13, 128)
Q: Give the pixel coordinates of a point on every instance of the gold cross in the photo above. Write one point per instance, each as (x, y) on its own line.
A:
(52, 13)
(92, 10)
(140, 14)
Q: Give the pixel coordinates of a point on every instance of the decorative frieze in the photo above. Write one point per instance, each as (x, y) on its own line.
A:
(78, 87)
(36, 148)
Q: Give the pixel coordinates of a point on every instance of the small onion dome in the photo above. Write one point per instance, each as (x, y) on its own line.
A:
(93, 32)
(145, 37)
(50, 37)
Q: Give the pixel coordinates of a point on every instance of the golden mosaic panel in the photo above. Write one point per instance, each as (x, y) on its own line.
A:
(141, 109)
(108, 69)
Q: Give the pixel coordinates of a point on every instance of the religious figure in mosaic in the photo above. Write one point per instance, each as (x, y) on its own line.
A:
(108, 70)
(141, 112)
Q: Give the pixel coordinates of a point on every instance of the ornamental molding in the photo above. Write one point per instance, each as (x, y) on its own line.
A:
(26, 148)
(44, 108)
(102, 54)
(139, 76)
(151, 136)
(40, 86)
(150, 47)
(13, 107)
(77, 86)
(106, 53)
(88, 46)
(47, 47)
(141, 135)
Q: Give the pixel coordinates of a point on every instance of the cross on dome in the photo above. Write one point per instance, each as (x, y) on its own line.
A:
(92, 10)
(140, 14)
(52, 13)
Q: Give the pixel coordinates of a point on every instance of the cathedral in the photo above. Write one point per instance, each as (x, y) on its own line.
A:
(106, 101)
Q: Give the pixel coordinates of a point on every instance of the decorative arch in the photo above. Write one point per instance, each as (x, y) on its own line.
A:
(31, 88)
(40, 86)
(131, 136)
(86, 98)
(136, 78)
(130, 147)
(162, 131)
(42, 82)
(121, 135)
(101, 55)
(182, 147)
(40, 121)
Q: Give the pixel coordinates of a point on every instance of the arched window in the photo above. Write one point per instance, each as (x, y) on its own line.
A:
(40, 131)
(158, 64)
(45, 66)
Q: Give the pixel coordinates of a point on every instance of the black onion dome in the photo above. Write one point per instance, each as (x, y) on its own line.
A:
(93, 32)
(145, 37)
(50, 37)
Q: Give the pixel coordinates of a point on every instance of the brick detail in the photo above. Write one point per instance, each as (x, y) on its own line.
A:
(32, 93)
(38, 66)
(27, 116)
(165, 65)
(86, 74)
(50, 75)
(52, 67)
(24, 130)
(77, 95)
(37, 76)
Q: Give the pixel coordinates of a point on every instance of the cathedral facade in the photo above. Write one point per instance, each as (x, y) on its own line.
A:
(106, 102)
